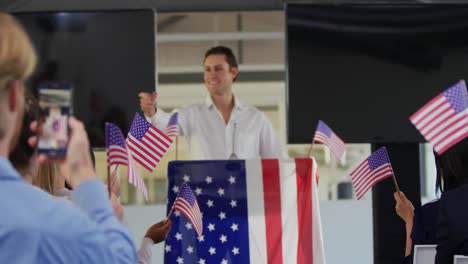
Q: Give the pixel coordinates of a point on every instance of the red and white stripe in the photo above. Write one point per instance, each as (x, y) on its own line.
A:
(193, 214)
(363, 178)
(149, 151)
(134, 177)
(440, 124)
(336, 144)
(172, 131)
(116, 155)
(284, 213)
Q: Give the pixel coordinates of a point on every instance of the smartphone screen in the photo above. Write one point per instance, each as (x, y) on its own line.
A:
(55, 102)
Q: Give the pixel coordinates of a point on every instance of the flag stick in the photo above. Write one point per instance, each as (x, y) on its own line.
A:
(396, 184)
(108, 181)
(172, 208)
(310, 149)
(176, 141)
(170, 212)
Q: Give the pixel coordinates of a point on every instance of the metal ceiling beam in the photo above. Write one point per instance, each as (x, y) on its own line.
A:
(158, 5)
(180, 5)
(261, 76)
(219, 36)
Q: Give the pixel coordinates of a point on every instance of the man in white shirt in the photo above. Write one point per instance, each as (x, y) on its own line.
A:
(222, 127)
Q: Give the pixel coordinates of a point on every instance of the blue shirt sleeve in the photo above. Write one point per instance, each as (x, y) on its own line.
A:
(108, 235)
(37, 228)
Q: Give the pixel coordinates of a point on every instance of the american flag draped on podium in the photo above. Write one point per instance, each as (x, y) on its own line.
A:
(444, 120)
(254, 211)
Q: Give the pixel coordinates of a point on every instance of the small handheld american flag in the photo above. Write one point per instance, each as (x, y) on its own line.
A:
(324, 135)
(187, 204)
(115, 146)
(371, 171)
(119, 154)
(172, 129)
(147, 143)
(444, 120)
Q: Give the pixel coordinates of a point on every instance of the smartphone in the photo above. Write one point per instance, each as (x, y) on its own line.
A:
(55, 102)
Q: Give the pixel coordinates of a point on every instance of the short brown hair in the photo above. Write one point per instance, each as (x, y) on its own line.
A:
(17, 57)
(223, 50)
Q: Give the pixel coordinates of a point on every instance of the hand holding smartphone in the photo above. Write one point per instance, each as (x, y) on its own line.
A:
(55, 102)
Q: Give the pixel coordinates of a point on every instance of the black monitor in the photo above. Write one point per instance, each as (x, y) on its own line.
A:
(365, 68)
(108, 56)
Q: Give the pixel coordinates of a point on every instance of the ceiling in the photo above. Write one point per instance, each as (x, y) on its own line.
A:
(159, 5)
(178, 5)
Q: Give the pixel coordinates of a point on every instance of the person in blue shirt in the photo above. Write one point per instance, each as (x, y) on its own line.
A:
(34, 227)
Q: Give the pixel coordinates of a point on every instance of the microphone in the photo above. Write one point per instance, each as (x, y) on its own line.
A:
(233, 154)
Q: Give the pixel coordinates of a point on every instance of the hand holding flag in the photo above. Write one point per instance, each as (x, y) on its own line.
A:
(114, 183)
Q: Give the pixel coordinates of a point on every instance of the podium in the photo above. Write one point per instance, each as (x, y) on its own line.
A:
(253, 211)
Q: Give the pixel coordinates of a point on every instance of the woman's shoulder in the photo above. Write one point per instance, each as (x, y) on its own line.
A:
(429, 208)
(457, 193)
(428, 212)
(431, 204)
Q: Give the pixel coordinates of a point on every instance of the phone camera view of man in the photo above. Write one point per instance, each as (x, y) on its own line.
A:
(55, 101)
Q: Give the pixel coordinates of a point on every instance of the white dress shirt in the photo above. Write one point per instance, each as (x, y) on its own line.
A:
(249, 134)
(144, 253)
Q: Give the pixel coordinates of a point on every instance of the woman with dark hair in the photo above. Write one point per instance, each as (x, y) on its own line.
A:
(452, 230)
(430, 224)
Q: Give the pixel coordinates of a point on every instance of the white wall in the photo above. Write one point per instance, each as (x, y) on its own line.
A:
(347, 229)
(190, 53)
